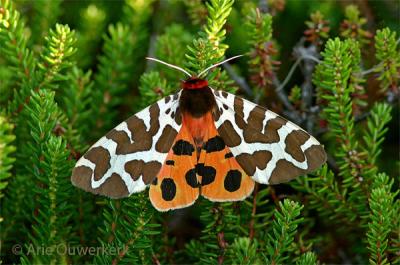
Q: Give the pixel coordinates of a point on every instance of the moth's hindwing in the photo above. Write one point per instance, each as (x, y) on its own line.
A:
(177, 185)
(130, 156)
(221, 177)
(268, 147)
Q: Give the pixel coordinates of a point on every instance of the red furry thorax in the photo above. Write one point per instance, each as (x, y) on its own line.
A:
(194, 83)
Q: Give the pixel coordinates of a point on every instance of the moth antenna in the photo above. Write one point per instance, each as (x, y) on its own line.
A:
(215, 65)
(170, 65)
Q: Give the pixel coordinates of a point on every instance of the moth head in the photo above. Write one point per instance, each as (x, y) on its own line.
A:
(194, 81)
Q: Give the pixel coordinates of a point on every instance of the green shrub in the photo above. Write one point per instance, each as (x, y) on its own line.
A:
(72, 70)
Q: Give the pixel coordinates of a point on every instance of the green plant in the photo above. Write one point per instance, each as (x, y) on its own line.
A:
(6, 148)
(72, 70)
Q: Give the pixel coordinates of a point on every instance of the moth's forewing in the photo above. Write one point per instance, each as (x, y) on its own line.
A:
(130, 156)
(268, 147)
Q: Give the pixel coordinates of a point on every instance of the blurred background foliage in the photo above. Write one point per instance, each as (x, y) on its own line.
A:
(72, 70)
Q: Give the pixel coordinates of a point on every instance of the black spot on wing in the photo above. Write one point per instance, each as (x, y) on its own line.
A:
(191, 178)
(168, 189)
(232, 180)
(207, 173)
(228, 155)
(214, 144)
(183, 147)
(170, 162)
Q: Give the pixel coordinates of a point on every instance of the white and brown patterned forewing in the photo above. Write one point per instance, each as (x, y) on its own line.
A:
(130, 156)
(268, 147)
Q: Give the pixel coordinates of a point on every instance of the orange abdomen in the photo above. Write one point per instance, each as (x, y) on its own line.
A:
(198, 127)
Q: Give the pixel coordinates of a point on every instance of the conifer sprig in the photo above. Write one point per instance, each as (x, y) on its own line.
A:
(76, 100)
(28, 132)
(218, 12)
(221, 228)
(153, 87)
(353, 25)
(209, 48)
(129, 230)
(114, 74)
(258, 220)
(333, 79)
(388, 54)
(14, 47)
(356, 81)
(307, 258)
(333, 76)
(283, 230)
(244, 251)
(380, 224)
(318, 29)
(57, 51)
(327, 196)
(50, 169)
(374, 136)
(6, 150)
(262, 64)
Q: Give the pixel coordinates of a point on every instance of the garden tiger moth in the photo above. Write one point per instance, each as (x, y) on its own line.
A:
(199, 141)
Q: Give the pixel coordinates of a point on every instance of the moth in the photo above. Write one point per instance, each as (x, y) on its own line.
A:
(198, 141)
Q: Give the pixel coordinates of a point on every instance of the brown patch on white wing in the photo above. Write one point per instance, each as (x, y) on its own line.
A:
(270, 134)
(253, 128)
(138, 168)
(293, 143)
(285, 171)
(238, 108)
(141, 137)
(231, 137)
(168, 135)
(250, 162)
(113, 187)
(100, 157)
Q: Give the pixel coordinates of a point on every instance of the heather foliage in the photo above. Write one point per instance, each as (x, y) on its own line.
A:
(72, 70)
